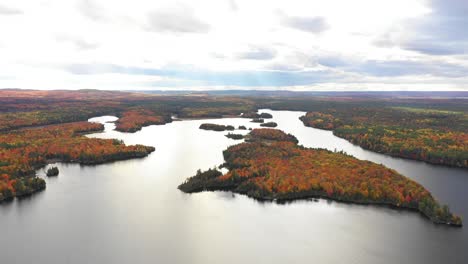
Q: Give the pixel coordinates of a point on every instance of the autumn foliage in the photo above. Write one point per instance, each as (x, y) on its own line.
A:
(280, 169)
(24, 151)
(267, 134)
(437, 137)
(134, 120)
(29, 108)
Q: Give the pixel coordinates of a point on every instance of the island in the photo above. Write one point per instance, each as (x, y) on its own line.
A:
(270, 165)
(235, 136)
(216, 127)
(257, 120)
(256, 115)
(269, 124)
(52, 171)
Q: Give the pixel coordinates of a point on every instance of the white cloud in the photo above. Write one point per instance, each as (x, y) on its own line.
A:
(308, 24)
(178, 19)
(295, 44)
(6, 10)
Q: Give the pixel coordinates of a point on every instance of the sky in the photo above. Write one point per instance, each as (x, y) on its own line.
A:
(305, 45)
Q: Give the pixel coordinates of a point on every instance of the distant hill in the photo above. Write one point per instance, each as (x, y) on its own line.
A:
(286, 93)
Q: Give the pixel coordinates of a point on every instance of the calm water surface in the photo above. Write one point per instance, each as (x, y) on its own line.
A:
(131, 211)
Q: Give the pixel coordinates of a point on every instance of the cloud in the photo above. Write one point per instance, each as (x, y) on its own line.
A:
(180, 19)
(308, 24)
(333, 61)
(78, 42)
(432, 47)
(442, 32)
(191, 75)
(258, 53)
(91, 10)
(234, 43)
(5, 10)
(396, 68)
(233, 5)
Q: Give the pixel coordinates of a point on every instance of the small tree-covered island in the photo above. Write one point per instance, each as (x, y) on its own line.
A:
(270, 165)
(269, 124)
(216, 127)
(235, 136)
(257, 115)
(53, 171)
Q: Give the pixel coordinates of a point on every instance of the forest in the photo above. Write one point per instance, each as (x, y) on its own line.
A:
(39, 126)
(433, 136)
(134, 120)
(271, 166)
(23, 151)
(30, 108)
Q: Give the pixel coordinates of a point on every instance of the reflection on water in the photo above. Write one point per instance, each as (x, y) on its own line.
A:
(131, 211)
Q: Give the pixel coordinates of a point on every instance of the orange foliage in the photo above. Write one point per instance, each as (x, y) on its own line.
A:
(434, 136)
(134, 120)
(278, 169)
(23, 151)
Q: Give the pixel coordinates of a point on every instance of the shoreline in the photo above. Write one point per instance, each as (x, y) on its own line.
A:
(393, 155)
(306, 196)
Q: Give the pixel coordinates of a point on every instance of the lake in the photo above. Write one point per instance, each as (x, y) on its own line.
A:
(132, 212)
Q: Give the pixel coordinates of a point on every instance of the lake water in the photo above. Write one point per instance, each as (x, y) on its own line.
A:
(132, 212)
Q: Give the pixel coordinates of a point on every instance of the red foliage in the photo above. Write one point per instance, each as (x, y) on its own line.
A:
(21, 152)
(134, 120)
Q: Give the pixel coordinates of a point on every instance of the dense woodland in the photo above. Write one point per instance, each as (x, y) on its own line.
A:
(434, 136)
(24, 151)
(266, 135)
(38, 126)
(134, 120)
(273, 167)
(29, 108)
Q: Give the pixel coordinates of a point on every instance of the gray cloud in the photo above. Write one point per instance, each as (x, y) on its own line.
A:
(433, 47)
(442, 32)
(308, 24)
(333, 61)
(191, 75)
(396, 68)
(393, 68)
(404, 68)
(5, 10)
(258, 53)
(79, 43)
(179, 20)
